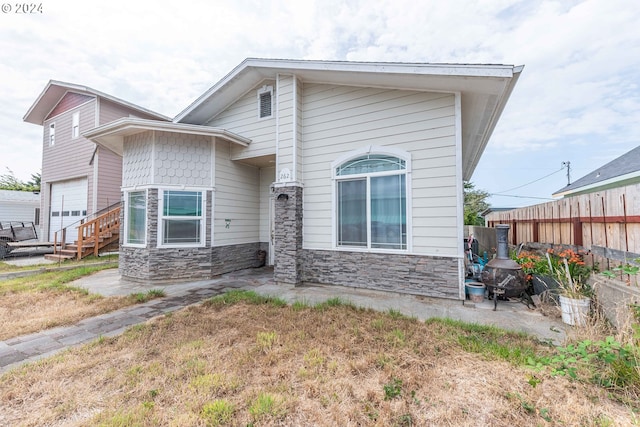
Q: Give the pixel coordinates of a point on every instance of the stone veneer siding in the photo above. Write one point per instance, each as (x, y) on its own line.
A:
(288, 234)
(411, 274)
(168, 264)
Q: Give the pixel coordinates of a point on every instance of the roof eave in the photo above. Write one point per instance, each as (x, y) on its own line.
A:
(111, 135)
(495, 117)
(37, 115)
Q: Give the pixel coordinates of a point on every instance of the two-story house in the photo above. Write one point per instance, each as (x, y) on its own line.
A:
(78, 177)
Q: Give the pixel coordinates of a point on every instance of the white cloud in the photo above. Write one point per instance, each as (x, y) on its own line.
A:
(579, 88)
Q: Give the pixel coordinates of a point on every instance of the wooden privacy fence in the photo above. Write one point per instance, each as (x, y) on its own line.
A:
(607, 223)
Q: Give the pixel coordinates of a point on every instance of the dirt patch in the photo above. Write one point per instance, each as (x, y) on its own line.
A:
(272, 365)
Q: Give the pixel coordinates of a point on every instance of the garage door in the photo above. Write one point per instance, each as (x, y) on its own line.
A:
(68, 207)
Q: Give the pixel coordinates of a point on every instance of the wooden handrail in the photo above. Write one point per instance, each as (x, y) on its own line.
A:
(92, 231)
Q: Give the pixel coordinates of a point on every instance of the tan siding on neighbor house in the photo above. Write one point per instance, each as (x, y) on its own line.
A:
(237, 198)
(340, 119)
(242, 118)
(69, 100)
(110, 172)
(69, 157)
(110, 111)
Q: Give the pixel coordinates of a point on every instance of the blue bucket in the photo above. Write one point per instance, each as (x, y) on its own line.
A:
(475, 291)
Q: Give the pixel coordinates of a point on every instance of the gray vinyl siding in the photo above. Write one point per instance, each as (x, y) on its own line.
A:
(18, 206)
(242, 118)
(340, 119)
(237, 198)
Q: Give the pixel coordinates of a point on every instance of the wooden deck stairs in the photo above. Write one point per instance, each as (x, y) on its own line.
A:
(93, 236)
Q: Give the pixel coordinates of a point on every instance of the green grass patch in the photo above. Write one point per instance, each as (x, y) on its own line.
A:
(267, 406)
(54, 280)
(141, 297)
(489, 341)
(249, 297)
(216, 413)
(334, 302)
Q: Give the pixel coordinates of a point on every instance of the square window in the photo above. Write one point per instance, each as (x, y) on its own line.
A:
(181, 218)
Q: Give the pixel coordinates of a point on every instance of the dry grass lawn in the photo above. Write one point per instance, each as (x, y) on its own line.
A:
(267, 364)
(31, 304)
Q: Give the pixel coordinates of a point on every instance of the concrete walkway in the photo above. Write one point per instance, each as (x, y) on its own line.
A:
(509, 315)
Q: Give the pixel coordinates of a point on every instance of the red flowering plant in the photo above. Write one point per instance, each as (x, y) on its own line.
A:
(531, 264)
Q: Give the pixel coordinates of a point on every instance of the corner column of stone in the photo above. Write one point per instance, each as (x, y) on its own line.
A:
(288, 234)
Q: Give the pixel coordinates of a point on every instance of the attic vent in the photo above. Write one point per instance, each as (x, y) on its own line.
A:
(265, 101)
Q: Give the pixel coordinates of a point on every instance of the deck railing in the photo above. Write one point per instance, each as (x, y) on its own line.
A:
(99, 228)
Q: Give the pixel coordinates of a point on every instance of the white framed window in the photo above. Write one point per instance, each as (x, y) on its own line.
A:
(75, 125)
(181, 218)
(52, 134)
(135, 224)
(265, 102)
(371, 202)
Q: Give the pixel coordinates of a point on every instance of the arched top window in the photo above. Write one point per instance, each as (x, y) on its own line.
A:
(371, 201)
(371, 163)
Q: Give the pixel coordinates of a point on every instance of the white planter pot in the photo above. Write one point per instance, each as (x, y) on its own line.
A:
(575, 311)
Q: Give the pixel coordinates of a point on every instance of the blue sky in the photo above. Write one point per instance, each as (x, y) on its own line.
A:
(578, 99)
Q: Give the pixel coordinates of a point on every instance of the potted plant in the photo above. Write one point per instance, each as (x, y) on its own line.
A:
(575, 293)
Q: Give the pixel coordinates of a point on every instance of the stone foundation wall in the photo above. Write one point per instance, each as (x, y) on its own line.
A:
(412, 274)
(234, 257)
(167, 264)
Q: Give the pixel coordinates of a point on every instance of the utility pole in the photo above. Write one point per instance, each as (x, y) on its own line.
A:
(568, 166)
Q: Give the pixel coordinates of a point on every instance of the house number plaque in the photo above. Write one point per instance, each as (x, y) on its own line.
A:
(285, 175)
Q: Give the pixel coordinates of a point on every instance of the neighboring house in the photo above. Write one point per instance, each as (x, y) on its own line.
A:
(19, 206)
(345, 173)
(625, 170)
(78, 178)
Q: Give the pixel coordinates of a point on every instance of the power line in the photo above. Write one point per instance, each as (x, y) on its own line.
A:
(529, 183)
(520, 197)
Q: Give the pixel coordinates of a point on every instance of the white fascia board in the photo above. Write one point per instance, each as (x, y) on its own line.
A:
(275, 66)
(112, 134)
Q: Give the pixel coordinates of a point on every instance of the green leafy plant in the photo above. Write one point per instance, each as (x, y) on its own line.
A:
(392, 389)
(607, 363)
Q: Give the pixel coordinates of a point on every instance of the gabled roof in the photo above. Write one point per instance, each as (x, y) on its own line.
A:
(624, 168)
(112, 134)
(56, 90)
(485, 90)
